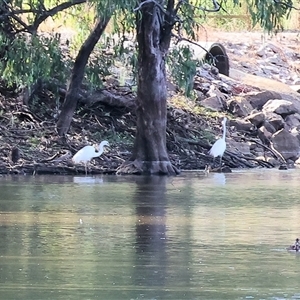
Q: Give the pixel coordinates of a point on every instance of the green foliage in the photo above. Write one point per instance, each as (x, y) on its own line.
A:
(97, 68)
(125, 53)
(269, 14)
(27, 59)
(182, 67)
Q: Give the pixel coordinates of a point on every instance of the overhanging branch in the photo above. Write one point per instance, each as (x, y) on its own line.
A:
(41, 14)
(288, 5)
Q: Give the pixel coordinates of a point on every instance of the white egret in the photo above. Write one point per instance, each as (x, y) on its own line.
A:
(85, 154)
(219, 146)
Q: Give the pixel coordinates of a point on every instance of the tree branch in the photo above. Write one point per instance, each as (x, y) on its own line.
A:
(49, 13)
(41, 14)
(217, 7)
(150, 1)
(286, 5)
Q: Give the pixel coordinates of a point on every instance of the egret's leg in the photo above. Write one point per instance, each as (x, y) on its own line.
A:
(85, 167)
(220, 162)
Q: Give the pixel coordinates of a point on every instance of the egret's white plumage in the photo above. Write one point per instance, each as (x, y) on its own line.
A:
(219, 146)
(85, 154)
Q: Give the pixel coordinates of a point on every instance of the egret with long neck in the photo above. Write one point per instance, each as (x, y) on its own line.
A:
(219, 146)
(85, 154)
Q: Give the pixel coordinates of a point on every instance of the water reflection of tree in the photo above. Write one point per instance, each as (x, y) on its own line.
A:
(150, 244)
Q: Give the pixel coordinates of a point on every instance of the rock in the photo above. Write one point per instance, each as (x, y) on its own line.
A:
(261, 52)
(276, 60)
(245, 64)
(271, 69)
(297, 162)
(286, 144)
(283, 167)
(252, 146)
(268, 159)
(296, 132)
(242, 125)
(241, 147)
(273, 89)
(269, 127)
(214, 103)
(292, 121)
(296, 87)
(265, 135)
(201, 86)
(257, 118)
(272, 160)
(280, 107)
(275, 120)
(259, 99)
(239, 106)
(260, 157)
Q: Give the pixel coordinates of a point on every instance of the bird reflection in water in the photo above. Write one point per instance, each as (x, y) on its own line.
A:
(219, 178)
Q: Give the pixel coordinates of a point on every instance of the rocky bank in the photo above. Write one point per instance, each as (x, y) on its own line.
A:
(260, 98)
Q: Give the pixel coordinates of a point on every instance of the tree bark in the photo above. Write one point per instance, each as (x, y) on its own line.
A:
(150, 152)
(72, 95)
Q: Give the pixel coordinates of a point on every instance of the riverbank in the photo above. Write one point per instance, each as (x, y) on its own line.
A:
(30, 145)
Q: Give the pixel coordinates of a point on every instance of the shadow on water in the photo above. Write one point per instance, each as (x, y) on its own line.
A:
(150, 242)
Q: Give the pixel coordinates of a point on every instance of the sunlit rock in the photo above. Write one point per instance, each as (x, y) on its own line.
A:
(259, 99)
(280, 107)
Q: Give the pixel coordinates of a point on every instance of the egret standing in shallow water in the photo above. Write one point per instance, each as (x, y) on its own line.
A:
(219, 146)
(85, 154)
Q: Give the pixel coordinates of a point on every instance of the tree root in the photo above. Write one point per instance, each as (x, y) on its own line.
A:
(147, 168)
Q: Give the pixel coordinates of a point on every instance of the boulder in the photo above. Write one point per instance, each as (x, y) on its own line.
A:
(239, 106)
(265, 133)
(242, 125)
(296, 87)
(241, 147)
(292, 121)
(275, 120)
(296, 132)
(286, 144)
(259, 99)
(280, 107)
(273, 89)
(214, 103)
(257, 118)
(297, 162)
(269, 127)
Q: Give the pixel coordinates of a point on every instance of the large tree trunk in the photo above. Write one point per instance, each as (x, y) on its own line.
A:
(150, 153)
(72, 95)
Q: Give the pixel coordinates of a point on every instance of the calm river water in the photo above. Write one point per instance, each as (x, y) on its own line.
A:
(221, 236)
